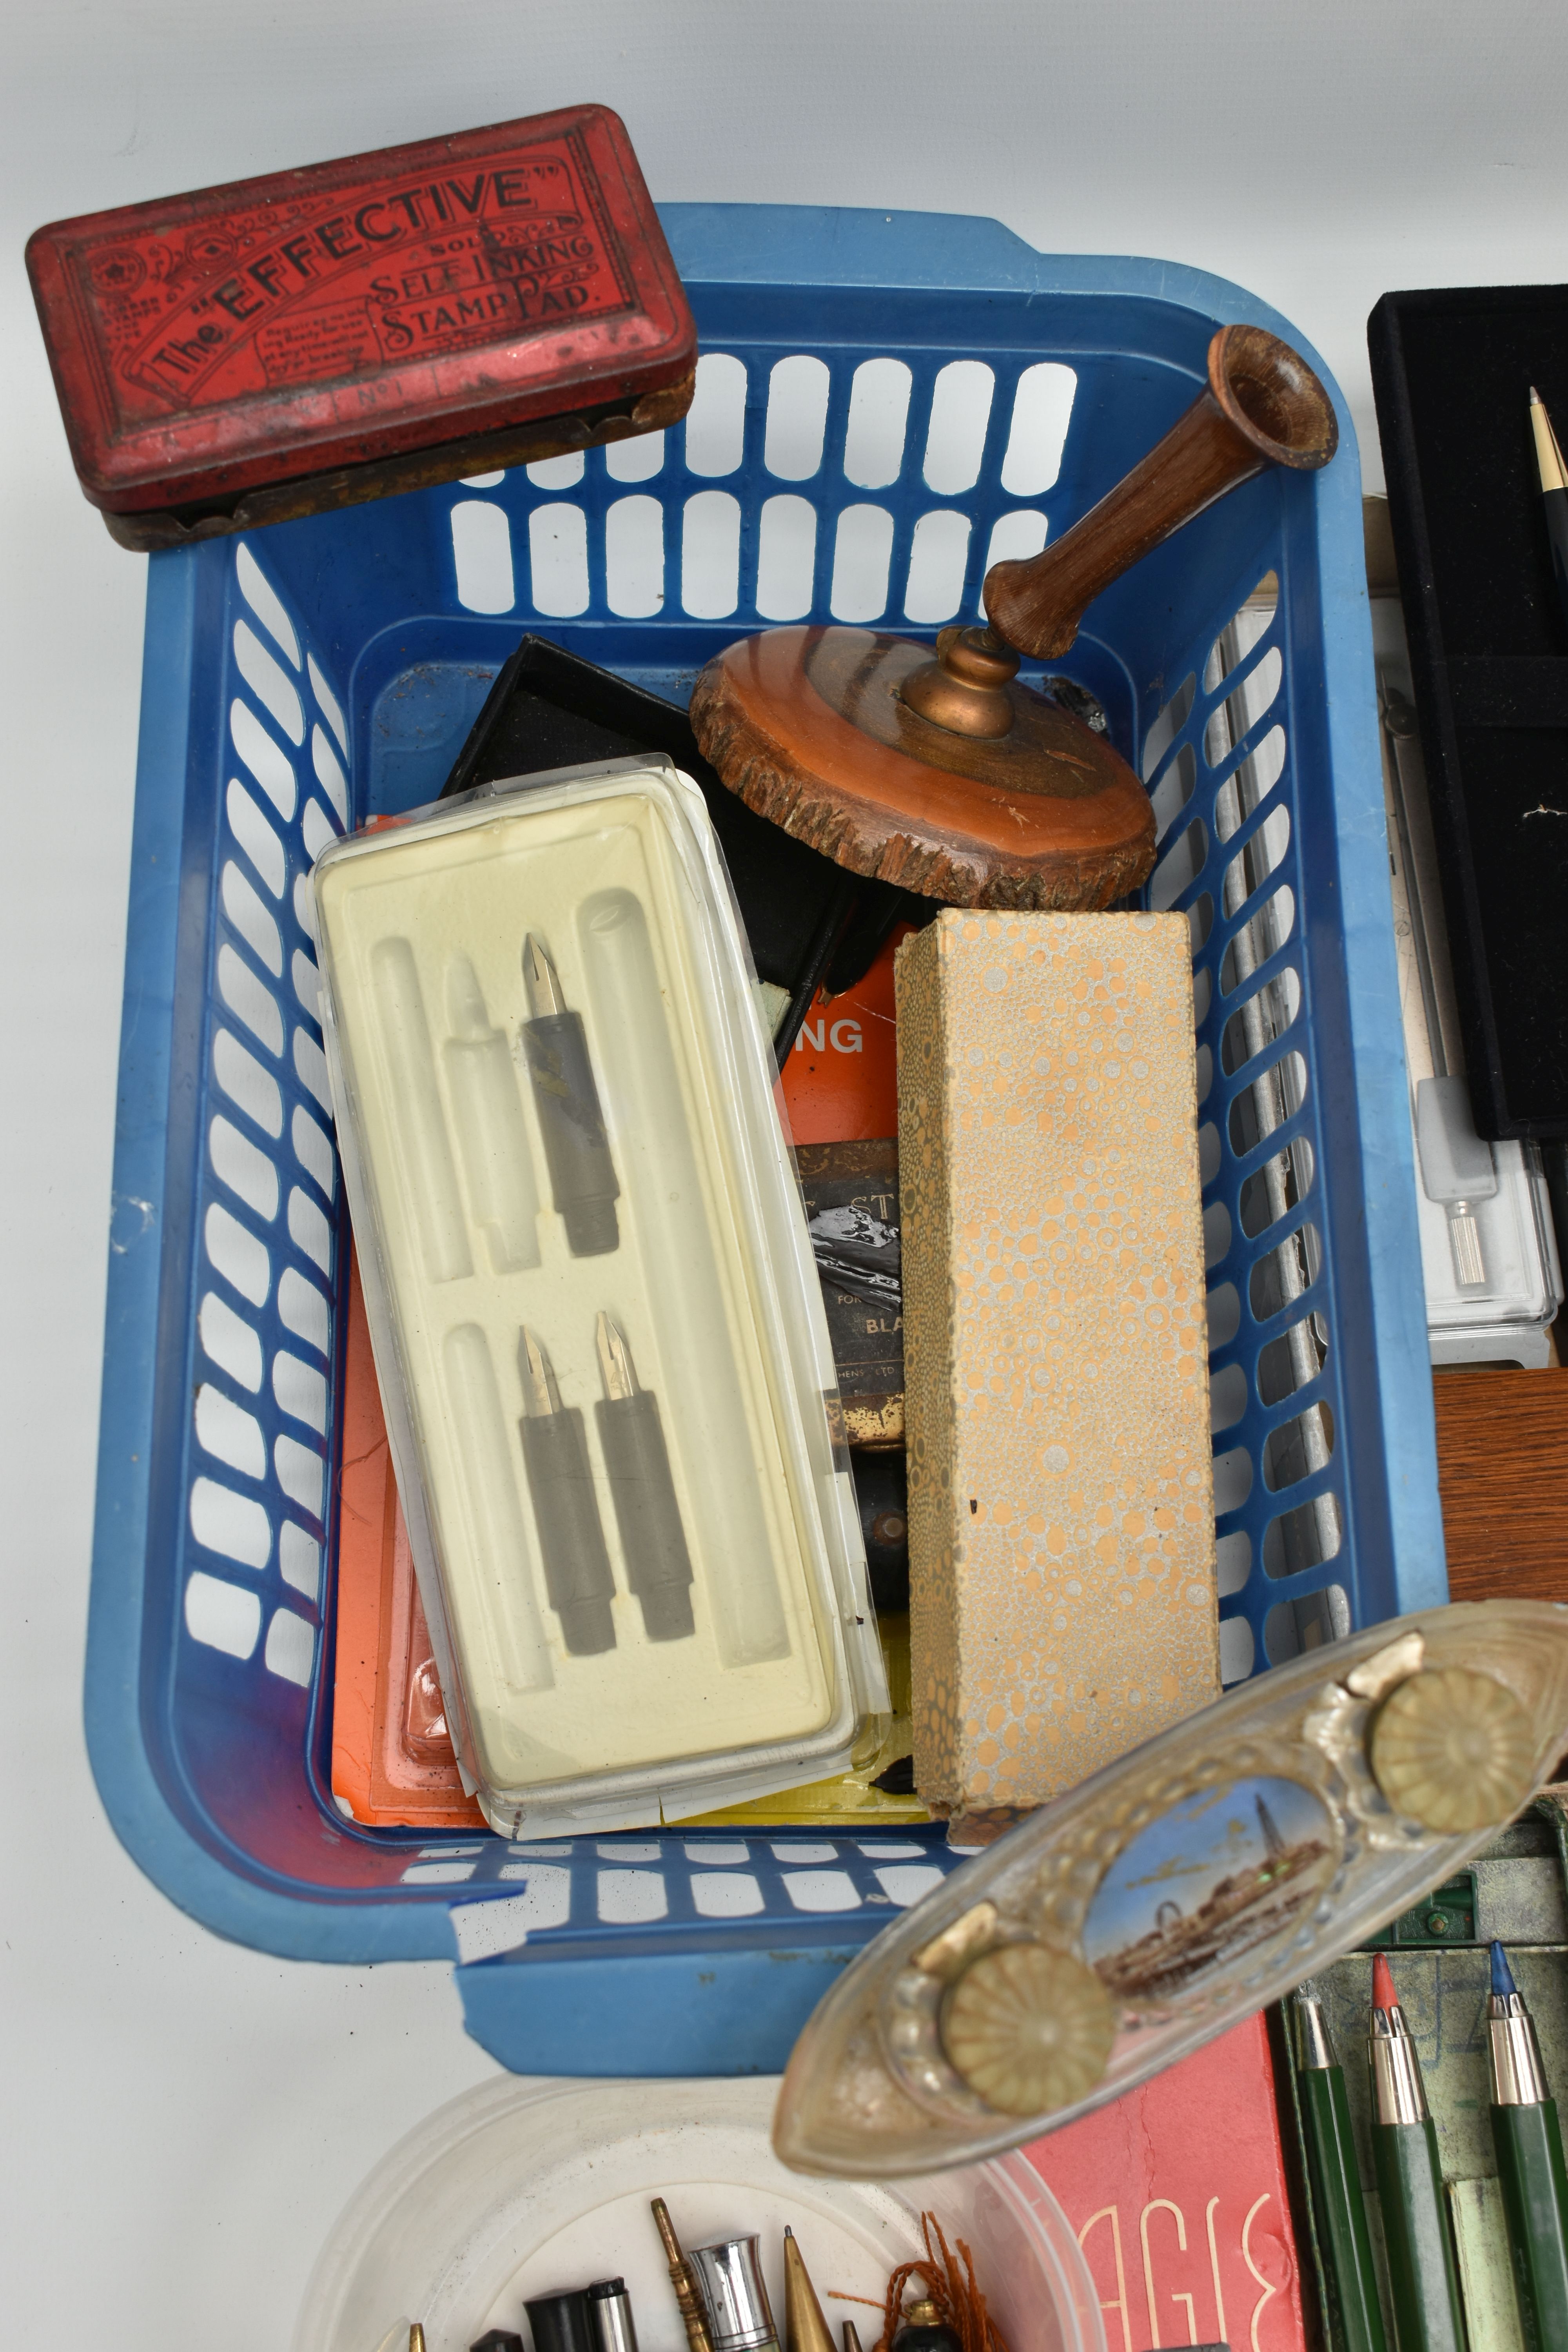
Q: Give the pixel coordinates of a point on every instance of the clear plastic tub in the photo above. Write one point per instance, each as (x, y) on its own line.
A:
(521, 2187)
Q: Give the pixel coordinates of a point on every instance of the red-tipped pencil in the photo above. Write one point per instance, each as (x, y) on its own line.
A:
(1422, 2278)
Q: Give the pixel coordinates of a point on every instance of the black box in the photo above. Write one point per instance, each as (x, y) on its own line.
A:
(810, 924)
(1489, 650)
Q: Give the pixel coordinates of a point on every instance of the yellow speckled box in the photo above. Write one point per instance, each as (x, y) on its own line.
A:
(1055, 1350)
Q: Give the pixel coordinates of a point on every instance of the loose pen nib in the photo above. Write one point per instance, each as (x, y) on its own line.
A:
(541, 980)
(541, 1391)
(1383, 1994)
(616, 1368)
(1503, 1974)
(851, 2337)
(416, 2338)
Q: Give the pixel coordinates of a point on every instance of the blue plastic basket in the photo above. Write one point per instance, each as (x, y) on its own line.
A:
(349, 646)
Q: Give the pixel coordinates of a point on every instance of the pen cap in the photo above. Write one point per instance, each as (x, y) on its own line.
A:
(610, 2316)
(560, 2322)
(731, 2276)
(806, 2329)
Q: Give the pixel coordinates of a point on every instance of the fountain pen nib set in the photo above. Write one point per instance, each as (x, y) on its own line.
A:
(598, 1326)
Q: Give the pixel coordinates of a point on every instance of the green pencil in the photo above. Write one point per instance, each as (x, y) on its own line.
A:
(1530, 2165)
(1338, 2208)
(1421, 2279)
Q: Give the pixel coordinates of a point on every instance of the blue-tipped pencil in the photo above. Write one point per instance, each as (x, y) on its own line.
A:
(1529, 2146)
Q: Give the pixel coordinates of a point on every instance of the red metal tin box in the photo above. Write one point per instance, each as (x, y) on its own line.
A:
(244, 355)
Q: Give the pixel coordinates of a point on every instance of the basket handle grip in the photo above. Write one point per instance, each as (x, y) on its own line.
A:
(1262, 405)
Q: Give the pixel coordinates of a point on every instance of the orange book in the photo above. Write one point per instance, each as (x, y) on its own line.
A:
(392, 1761)
(841, 1077)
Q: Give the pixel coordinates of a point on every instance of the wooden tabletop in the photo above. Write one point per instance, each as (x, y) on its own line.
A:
(1502, 1467)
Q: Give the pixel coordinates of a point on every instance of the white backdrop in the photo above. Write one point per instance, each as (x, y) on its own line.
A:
(183, 2119)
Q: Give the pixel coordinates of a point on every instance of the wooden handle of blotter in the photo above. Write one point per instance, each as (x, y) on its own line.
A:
(1262, 405)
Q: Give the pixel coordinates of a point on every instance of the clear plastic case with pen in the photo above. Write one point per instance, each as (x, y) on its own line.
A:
(598, 1325)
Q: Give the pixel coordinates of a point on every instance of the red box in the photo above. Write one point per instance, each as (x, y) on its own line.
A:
(248, 353)
(1178, 2195)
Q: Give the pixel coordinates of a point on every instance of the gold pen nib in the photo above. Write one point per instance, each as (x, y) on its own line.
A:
(616, 1368)
(805, 2330)
(541, 1391)
(416, 2338)
(1547, 455)
(541, 979)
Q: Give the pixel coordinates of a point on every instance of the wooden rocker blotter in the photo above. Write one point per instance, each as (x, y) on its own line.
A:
(946, 776)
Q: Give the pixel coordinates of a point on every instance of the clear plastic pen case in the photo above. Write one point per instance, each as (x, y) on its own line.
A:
(598, 1326)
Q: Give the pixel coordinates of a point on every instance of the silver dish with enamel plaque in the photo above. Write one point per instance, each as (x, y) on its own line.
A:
(1178, 1891)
